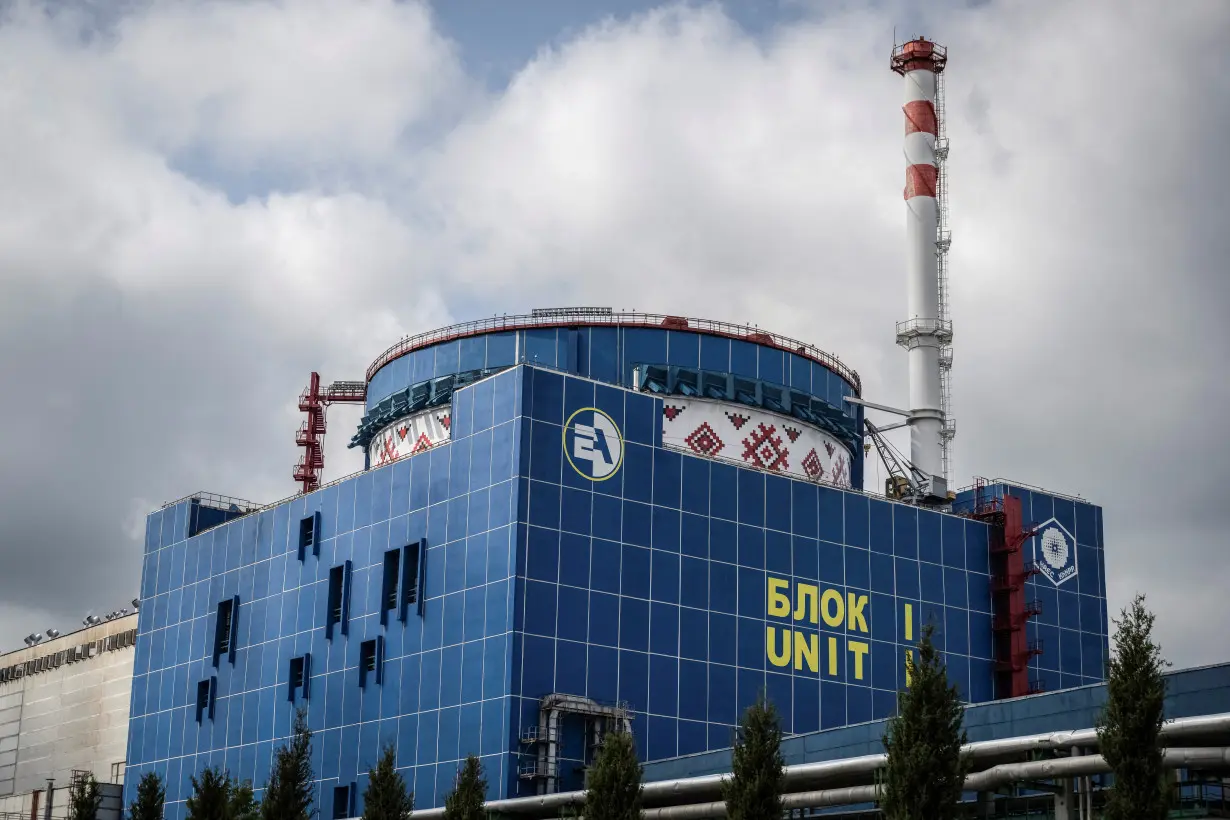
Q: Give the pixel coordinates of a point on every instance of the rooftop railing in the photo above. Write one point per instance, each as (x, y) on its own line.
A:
(575, 317)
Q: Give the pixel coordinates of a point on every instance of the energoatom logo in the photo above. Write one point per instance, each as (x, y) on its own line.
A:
(592, 442)
(1055, 552)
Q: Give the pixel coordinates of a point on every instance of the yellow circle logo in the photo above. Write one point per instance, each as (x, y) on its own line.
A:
(592, 442)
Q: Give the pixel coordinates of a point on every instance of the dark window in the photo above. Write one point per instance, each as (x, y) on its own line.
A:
(226, 630)
(388, 593)
(371, 661)
(300, 675)
(343, 802)
(412, 577)
(339, 600)
(206, 694)
(309, 535)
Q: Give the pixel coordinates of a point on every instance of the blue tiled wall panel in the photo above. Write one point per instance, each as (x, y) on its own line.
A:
(678, 586)
(677, 608)
(444, 691)
(1073, 625)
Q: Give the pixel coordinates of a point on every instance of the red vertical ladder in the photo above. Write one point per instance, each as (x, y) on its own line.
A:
(1010, 611)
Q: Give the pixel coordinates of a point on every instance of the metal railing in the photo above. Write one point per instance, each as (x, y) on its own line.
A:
(572, 317)
(221, 502)
(987, 483)
(913, 328)
(1213, 798)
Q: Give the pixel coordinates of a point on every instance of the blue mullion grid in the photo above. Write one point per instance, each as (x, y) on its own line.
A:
(235, 705)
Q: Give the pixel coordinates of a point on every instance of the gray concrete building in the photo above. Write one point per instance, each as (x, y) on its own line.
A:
(64, 705)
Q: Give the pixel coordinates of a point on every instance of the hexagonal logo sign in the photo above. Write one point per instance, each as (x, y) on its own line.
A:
(1055, 552)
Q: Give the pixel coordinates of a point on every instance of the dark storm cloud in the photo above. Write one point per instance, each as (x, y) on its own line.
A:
(116, 401)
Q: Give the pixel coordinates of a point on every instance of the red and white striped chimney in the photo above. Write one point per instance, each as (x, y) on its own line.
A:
(923, 333)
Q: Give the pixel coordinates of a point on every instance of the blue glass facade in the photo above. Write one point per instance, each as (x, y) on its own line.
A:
(660, 585)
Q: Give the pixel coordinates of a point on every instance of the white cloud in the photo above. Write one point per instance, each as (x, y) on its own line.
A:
(316, 83)
(216, 198)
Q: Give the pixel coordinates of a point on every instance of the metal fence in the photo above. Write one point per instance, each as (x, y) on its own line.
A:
(571, 317)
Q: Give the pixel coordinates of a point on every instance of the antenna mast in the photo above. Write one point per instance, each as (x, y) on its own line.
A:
(943, 241)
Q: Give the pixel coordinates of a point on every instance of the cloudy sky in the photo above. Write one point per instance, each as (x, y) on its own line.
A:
(203, 202)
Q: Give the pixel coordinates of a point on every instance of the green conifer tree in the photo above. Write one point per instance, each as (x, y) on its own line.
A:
(386, 796)
(151, 794)
(1129, 724)
(243, 804)
(614, 790)
(211, 796)
(84, 798)
(465, 801)
(754, 789)
(925, 769)
(288, 794)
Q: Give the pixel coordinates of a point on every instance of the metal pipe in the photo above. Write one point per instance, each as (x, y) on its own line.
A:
(694, 788)
(1077, 751)
(996, 776)
(799, 800)
(553, 721)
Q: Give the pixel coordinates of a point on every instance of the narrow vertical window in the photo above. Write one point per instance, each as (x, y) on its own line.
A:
(343, 802)
(412, 578)
(226, 630)
(300, 675)
(206, 694)
(338, 613)
(309, 535)
(389, 591)
(371, 662)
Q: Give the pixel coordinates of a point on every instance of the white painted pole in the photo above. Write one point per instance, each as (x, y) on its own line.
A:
(922, 334)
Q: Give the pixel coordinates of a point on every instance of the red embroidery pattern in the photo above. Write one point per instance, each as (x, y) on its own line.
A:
(737, 420)
(764, 449)
(793, 433)
(671, 411)
(704, 440)
(444, 420)
(388, 450)
(812, 465)
(840, 475)
(422, 444)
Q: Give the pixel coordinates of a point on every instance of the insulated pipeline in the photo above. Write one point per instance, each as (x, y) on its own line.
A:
(798, 776)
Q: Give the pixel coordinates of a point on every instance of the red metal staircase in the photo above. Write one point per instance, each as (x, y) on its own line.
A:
(310, 436)
(1010, 611)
